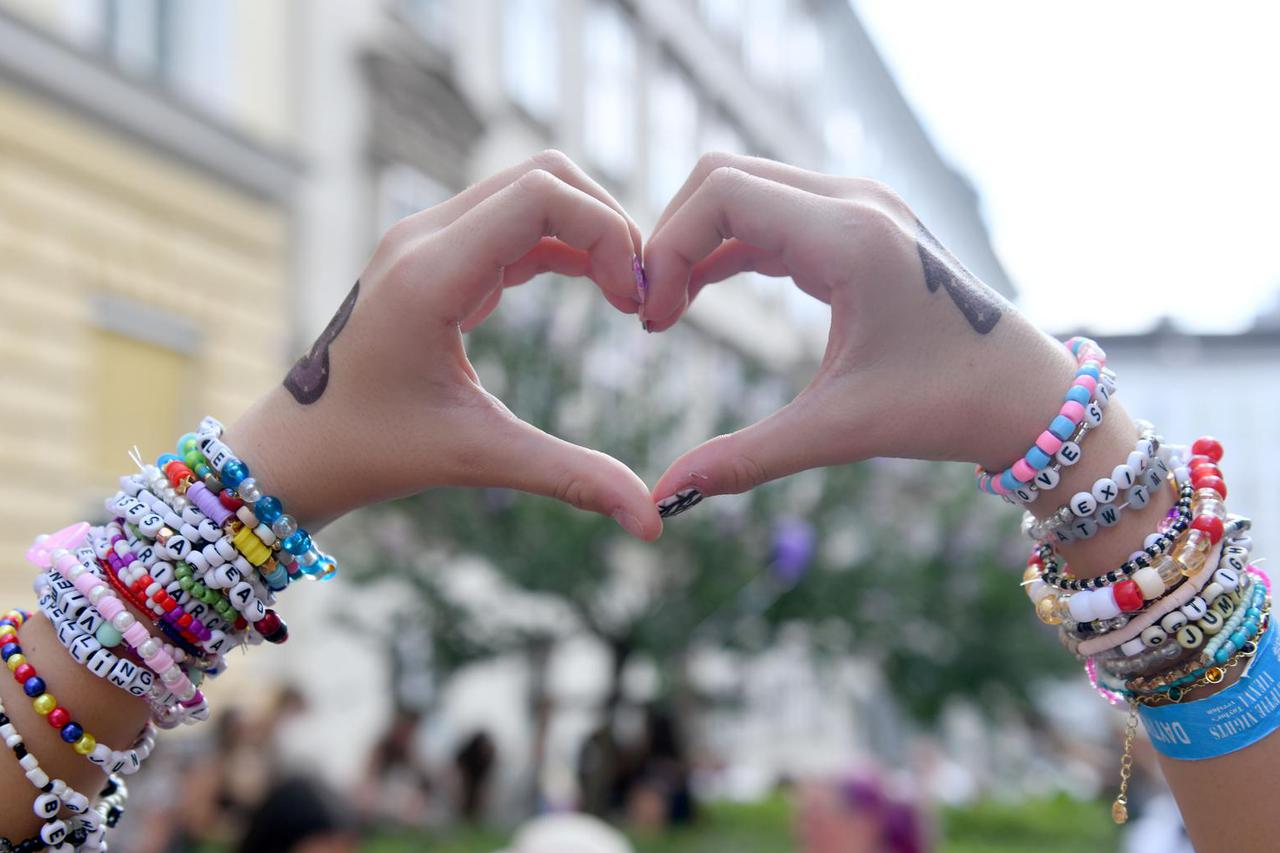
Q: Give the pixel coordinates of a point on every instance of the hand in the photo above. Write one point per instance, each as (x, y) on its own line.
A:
(386, 403)
(922, 359)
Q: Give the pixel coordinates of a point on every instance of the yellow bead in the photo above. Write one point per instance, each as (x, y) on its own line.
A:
(15, 617)
(16, 660)
(44, 703)
(86, 744)
(1047, 610)
(251, 546)
(6, 630)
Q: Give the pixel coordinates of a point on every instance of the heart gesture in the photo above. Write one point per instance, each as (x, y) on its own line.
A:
(922, 359)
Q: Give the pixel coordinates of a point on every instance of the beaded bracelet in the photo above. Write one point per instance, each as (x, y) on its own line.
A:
(43, 702)
(1083, 515)
(118, 670)
(55, 795)
(134, 632)
(229, 547)
(1187, 595)
(1180, 631)
(1077, 409)
(294, 541)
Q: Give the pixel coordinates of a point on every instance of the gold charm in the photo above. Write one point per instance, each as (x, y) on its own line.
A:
(1120, 809)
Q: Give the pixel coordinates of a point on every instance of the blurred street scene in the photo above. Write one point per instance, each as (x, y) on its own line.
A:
(189, 187)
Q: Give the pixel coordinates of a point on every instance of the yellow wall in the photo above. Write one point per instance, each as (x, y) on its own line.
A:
(86, 215)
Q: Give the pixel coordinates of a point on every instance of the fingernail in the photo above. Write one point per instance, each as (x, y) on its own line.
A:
(681, 501)
(629, 523)
(642, 280)
(646, 325)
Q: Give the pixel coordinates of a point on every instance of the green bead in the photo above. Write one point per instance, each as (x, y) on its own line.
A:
(185, 583)
(182, 570)
(187, 442)
(193, 459)
(107, 635)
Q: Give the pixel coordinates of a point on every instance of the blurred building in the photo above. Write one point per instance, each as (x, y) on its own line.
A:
(188, 188)
(1244, 370)
(145, 207)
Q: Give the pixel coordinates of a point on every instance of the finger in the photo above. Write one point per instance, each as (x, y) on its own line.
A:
(503, 228)
(801, 435)
(773, 217)
(520, 456)
(814, 182)
(549, 256)
(729, 259)
(551, 161)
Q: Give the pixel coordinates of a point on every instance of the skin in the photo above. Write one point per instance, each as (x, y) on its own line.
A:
(922, 361)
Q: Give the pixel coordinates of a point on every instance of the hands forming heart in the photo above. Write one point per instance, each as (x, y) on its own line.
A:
(921, 360)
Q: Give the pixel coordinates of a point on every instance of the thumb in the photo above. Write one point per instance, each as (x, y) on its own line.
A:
(520, 456)
(806, 433)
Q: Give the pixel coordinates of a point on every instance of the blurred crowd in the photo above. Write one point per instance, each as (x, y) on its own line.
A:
(232, 789)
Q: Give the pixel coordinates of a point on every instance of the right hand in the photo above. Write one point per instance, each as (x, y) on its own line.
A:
(922, 359)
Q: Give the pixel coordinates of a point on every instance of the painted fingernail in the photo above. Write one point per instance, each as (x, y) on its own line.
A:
(629, 523)
(681, 501)
(642, 280)
(646, 325)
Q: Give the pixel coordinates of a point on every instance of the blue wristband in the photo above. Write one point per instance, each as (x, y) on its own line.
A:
(1239, 716)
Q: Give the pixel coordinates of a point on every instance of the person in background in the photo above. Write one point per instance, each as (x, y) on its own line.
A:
(397, 783)
(856, 816)
(568, 833)
(300, 816)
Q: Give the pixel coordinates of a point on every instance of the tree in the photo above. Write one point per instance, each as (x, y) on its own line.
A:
(905, 556)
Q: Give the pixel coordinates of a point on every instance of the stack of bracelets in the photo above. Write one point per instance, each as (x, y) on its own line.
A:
(1180, 612)
(185, 569)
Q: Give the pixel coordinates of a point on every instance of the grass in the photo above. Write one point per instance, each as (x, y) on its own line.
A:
(1051, 825)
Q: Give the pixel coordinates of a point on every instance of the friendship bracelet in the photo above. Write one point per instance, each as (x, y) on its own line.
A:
(294, 541)
(1086, 512)
(1077, 409)
(1187, 628)
(55, 795)
(72, 733)
(1180, 597)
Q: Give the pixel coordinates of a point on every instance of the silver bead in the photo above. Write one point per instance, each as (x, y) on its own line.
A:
(249, 491)
(284, 526)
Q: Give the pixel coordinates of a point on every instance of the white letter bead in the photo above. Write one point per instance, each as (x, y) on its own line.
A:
(1195, 609)
(1139, 496)
(240, 594)
(1136, 462)
(1046, 480)
(255, 610)
(1148, 580)
(1211, 592)
(1132, 647)
(1173, 621)
(47, 806)
(1123, 476)
(1105, 490)
(53, 832)
(1228, 579)
(1104, 604)
(1068, 454)
(1083, 504)
(1092, 415)
(1154, 636)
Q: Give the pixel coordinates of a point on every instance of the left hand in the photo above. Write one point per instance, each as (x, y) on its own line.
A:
(387, 403)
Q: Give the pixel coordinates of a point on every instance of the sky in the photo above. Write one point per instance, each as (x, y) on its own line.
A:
(1127, 154)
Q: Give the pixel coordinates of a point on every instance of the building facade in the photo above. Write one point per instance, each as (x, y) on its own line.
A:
(144, 245)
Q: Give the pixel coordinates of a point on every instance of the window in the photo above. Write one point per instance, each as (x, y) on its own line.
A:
(531, 56)
(122, 364)
(673, 133)
(608, 87)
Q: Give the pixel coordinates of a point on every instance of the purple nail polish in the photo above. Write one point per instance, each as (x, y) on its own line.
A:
(681, 501)
(642, 280)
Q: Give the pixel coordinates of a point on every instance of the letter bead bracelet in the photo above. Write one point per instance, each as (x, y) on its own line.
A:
(1080, 410)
